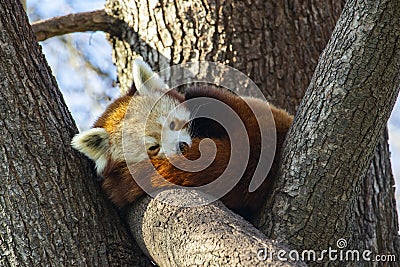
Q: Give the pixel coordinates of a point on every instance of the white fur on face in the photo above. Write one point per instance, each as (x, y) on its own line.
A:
(145, 131)
(132, 140)
(164, 109)
(170, 138)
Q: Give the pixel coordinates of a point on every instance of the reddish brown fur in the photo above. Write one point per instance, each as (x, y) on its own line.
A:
(116, 111)
(114, 114)
(122, 188)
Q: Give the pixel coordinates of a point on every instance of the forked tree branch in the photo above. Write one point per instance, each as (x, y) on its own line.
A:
(97, 20)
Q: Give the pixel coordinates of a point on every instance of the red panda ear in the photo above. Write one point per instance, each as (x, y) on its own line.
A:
(145, 79)
(94, 143)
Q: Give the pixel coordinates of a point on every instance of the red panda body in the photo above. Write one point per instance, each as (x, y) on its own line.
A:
(236, 159)
(122, 189)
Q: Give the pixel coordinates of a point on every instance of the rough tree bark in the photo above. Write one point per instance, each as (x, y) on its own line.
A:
(52, 213)
(191, 236)
(338, 125)
(277, 43)
(375, 210)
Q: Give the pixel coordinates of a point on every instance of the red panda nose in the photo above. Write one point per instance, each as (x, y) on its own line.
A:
(182, 146)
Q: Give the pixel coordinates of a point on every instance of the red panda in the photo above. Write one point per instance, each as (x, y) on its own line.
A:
(104, 142)
(103, 145)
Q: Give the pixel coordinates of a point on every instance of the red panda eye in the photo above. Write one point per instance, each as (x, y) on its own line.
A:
(154, 147)
(172, 125)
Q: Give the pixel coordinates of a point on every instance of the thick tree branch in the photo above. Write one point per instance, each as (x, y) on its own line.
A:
(204, 235)
(80, 22)
(337, 127)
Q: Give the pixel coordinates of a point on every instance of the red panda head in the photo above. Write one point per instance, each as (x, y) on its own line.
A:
(136, 127)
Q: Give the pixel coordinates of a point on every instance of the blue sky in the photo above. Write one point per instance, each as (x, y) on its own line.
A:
(87, 94)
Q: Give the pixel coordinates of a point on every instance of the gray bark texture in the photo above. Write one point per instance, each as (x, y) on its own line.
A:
(376, 223)
(173, 235)
(336, 130)
(52, 212)
(277, 44)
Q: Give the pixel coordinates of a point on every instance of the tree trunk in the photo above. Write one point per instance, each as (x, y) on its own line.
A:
(276, 43)
(337, 128)
(375, 211)
(52, 212)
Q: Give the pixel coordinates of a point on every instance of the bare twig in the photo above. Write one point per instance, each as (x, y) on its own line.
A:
(97, 20)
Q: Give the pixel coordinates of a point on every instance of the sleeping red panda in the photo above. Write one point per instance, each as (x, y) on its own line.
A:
(103, 143)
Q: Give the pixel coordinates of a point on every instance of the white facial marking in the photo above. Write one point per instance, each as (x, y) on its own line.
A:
(171, 137)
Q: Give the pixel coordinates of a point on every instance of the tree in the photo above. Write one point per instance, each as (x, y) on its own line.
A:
(277, 45)
(52, 212)
(349, 99)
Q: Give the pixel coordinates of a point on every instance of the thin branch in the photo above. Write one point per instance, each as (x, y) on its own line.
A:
(97, 20)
